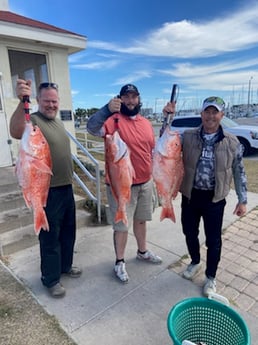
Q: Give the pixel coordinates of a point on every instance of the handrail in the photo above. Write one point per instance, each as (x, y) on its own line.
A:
(97, 198)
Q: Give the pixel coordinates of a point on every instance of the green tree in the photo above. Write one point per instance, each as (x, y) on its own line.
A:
(80, 113)
(91, 111)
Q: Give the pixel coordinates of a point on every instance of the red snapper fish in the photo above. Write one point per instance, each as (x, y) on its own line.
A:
(120, 173)
(33, 169)
(168, 171)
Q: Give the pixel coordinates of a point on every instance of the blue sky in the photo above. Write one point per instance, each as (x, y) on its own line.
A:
(206, 47)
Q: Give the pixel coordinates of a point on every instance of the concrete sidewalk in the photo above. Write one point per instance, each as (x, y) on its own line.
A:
(98, 309)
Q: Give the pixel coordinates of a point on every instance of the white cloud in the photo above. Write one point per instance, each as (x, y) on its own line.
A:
(133, 77)
(216, 76)
(96, 65)
(214, 56)
(187, 70)
(186, 39)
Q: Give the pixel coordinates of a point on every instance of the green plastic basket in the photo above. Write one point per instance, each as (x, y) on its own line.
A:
(203, 320)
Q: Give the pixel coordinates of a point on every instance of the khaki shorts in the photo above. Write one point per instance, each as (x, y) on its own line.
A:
(139, 208)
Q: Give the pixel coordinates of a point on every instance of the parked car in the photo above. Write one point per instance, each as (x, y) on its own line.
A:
(247, 135)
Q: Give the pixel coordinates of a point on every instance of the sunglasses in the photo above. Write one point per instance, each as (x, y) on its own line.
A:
(217, 100)
(48, 85)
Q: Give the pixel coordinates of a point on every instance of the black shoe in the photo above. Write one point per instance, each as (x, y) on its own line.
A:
(75, 272)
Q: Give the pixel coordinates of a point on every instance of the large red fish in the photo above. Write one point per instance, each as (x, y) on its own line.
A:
(120, 173)
(168, 171)
(33, 170)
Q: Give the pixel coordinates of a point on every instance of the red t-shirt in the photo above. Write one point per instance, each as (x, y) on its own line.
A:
(138, 134)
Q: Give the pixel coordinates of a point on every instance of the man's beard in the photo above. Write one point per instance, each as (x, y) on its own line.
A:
(125, 111)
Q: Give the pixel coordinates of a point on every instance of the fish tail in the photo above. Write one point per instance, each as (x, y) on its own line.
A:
(121, 217)
(40, 221)
(168, 212)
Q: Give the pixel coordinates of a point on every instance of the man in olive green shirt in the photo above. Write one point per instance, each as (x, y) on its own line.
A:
(57, 244)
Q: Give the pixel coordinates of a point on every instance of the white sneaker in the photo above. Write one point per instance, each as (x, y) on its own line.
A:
(191, 271)
(209, 287)
(121, 273)
(150, 257)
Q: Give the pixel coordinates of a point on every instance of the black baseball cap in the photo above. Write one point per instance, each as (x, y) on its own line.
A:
(129, 88)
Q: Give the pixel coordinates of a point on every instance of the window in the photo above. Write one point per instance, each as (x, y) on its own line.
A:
(26, 65)
(30, 75)
(187, 122)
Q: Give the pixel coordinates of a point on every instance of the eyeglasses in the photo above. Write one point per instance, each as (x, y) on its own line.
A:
(48, 85)
(217, 100)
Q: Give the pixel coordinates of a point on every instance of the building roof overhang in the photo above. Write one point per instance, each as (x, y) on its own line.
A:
(13, 26)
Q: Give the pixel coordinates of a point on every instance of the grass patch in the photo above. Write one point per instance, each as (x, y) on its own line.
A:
(251, 168)
(99, 156)
(94, 138)
(87, 136)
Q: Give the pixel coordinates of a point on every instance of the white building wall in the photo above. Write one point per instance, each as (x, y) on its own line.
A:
(4, 6)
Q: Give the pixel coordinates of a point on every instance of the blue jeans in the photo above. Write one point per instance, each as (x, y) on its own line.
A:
(201, 206)
(57, 245)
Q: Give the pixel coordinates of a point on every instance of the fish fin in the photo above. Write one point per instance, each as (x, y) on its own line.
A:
(40, 221)
(121, 216)
(168, 212)
(27, 201)
(42, 166)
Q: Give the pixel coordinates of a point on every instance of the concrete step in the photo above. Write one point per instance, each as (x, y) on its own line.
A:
(15, 214)
(10, 200)
(9, 187)
(8, 179)
(24, 237)
(16, 220)
(17, 239)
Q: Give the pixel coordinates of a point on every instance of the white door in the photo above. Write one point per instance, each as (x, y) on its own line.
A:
(5, 143)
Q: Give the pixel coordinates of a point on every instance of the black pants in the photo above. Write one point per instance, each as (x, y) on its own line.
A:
(57, 245)
(201, 205)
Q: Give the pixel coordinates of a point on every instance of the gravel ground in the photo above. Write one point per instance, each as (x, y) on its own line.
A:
(22, 320)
